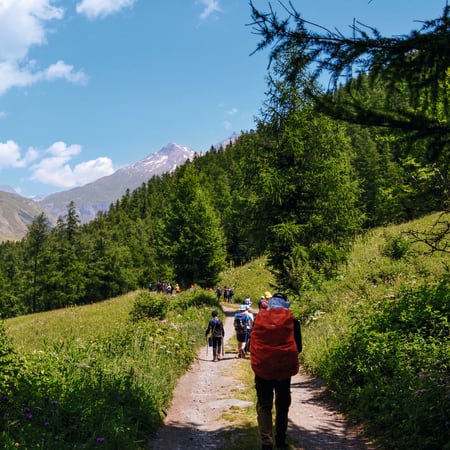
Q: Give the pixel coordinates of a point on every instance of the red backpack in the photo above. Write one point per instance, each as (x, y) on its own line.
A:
(273, 350)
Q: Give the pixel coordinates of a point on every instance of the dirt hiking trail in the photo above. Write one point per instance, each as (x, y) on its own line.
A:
(195, 419)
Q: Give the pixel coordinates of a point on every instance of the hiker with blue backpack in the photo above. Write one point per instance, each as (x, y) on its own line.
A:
(241, 322)
(274, 348)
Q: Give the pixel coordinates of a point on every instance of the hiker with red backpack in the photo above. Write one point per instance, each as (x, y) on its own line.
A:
(274, 348)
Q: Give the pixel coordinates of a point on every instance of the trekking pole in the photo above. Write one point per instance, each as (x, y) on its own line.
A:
(223, 345)
(207, 345)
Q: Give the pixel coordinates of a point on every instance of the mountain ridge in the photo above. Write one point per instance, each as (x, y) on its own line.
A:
(98, 195)
(17, 212)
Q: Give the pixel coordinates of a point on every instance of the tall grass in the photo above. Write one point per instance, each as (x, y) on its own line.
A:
(379, 336)
(88, 322)
(96, 376)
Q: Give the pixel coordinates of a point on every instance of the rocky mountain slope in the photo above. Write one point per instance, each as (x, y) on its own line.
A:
(16, 213)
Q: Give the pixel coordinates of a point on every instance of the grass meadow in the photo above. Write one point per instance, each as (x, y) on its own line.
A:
(97, 376)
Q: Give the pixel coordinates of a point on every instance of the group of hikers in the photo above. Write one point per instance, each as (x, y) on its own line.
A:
(164, 287)
(273, 339)
(227, 292)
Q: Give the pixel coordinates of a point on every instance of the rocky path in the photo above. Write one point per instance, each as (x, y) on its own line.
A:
(195, 419)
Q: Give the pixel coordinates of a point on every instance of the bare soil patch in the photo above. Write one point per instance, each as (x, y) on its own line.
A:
(195, 419)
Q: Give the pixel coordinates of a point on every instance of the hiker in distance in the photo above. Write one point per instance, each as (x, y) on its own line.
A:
(241, 326)
(215, 327)
(274, 348)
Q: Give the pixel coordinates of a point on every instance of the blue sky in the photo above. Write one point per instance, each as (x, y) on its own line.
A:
(88, 86)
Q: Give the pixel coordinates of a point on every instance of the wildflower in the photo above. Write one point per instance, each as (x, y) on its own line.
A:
(54, 402)
(29, 416)
(26, 409)
(6, 414)
(5, 398)
(100, 440)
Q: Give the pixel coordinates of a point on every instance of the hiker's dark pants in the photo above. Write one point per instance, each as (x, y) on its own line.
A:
(265, 391)
(217, 346)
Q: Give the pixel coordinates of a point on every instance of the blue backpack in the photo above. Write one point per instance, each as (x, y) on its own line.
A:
(240, 323)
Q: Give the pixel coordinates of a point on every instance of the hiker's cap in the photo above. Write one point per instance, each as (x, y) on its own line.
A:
(242, 307)
(279, 300)
(267, 295)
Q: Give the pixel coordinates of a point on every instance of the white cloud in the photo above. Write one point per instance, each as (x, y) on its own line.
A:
(54, 168)
(227, 125)
(211, 6)
(101, 8)
(61, 70)
(12, 75)
(10, 155)
(22, 25)
(89, 171)
(232, 112)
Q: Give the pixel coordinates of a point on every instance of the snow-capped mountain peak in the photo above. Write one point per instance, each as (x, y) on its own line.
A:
(100, 194)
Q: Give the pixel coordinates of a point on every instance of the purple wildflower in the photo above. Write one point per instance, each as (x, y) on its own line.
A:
(100, 440)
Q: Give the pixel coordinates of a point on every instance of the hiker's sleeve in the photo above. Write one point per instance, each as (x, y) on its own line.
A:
(208, 329)
(298, 335)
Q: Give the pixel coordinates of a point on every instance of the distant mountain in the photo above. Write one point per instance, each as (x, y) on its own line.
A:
(100, 194)
(6, 188)
(228, 141)
(16, 213)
